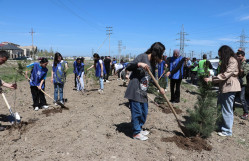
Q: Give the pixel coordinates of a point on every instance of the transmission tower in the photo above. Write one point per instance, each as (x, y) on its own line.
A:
(119, 49)
(109, 32)
(182, 41)
(32, 33)
(243, 40)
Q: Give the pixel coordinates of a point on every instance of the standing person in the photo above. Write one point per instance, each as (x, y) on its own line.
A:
(80, 74)
(4, 56)
(193, 71)
(243, 82)
(175, 74)
(107, 63)
(161, 74)
(59, 69)
(37, 82)
(204, 66)
(136, 91)
(99, 71)
(113, 65)
(229, 85)
(75, 74)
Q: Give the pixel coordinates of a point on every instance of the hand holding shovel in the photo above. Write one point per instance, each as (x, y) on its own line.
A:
(184, 130)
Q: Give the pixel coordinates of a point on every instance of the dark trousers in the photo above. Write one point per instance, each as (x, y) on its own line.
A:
(175, 93)
(38, 97)
(106, 76)
(75, 83)
(243, 99)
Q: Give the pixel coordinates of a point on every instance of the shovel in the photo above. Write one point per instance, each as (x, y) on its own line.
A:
(13, 117)
(58, 102)
(184, 130)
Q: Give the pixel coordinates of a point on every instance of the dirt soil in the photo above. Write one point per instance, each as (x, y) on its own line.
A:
(97, 127)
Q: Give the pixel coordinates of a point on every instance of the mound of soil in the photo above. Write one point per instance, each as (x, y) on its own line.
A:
(52, 111)
(167, 110)
(193, 143)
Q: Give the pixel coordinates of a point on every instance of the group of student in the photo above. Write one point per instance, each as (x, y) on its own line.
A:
(230, 72)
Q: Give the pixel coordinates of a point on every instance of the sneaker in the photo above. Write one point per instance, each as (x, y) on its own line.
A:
(100, 91)
(140, 136)
(36, 108)
(62, 102)
(222, 134)
(45, 106)
(245, 116)
(144, 132)
(55, 104)
(107, 81)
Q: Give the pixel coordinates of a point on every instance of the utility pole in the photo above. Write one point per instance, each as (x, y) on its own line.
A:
(32, 33)
(210, 55)
(243, 40)
(169, 52)
(182, 41)
(109, 32)
(119, 49)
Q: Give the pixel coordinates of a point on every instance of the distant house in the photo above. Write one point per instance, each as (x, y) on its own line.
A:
(13, 49)
(27, 50)
(17, 51)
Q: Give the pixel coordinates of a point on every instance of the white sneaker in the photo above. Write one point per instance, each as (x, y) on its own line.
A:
(45, 106)
(107, 81)
(100, 91)
(144, 132)
(55, 104)
(140, 136)
(62, 102)
(36, 108)
(222, 134)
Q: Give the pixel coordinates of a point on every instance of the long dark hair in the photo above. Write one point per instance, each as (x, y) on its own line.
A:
(56, 55)
(156, 50)
(226, 53)
(96, 59)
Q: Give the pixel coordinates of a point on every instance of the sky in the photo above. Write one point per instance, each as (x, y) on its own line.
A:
(78, 27)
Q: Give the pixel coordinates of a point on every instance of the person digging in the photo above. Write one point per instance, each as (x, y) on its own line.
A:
(3, 58)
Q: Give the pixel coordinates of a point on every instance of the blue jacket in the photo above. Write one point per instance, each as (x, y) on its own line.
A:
(161, 68)
(37, 75)
(79, 69)
(59, 72)
(74, 66)
(173, 63)
(98, 69)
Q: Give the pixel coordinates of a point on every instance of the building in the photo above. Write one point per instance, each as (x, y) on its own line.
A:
(13, 49)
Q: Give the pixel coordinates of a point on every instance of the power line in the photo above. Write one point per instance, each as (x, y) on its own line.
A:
(182, 41)
(109, 32)
(243, 40)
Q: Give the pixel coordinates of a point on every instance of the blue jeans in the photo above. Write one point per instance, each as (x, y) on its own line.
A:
(80, 83)
(139, 112)
(227, 100)
(101, 82)
(58, 87)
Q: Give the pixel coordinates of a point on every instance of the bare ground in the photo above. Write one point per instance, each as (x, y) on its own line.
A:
(97, 127)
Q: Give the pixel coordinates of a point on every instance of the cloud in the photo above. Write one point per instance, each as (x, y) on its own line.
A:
(245, 18)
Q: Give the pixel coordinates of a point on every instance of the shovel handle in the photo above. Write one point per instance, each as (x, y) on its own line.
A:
(5, 100)
(158, 86)
(47, 94)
